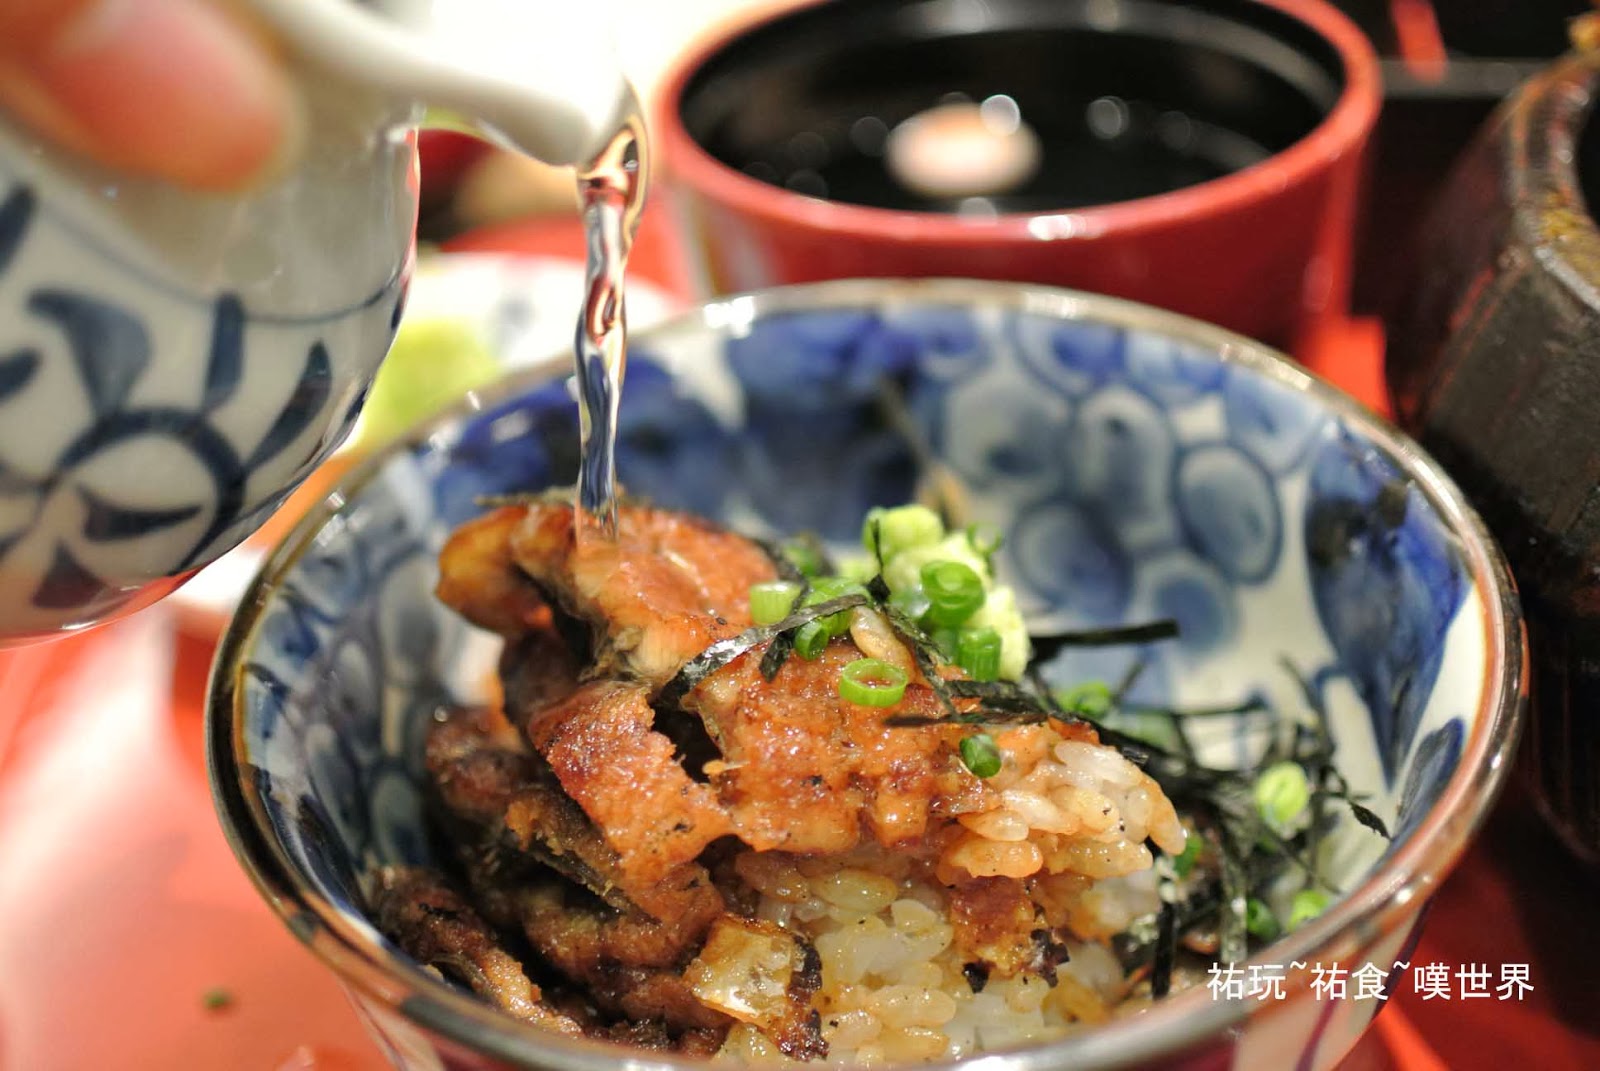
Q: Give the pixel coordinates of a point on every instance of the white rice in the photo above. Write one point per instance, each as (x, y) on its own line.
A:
(1069, 817)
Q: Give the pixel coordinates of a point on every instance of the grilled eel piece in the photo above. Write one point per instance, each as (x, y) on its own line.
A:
(506, 802)
(479, 580)
(695, 982)
(794, 766)
(637, 951)
(424, 914)
(665, 589)
(436, 926)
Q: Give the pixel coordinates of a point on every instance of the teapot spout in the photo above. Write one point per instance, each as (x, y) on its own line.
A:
(560, 100)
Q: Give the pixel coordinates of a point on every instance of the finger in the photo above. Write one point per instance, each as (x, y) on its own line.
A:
(170, 88)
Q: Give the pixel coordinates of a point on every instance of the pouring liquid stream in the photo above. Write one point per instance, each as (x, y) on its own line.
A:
(473, 72)
(611, 191)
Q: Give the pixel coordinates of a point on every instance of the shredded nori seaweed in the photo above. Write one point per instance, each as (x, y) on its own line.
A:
(722, 652)
(1046, 646)
(781, 562)
(778, 652)
(806, 549)
(782, 645)
(1233, 939)
(1166, 950)
(1196, 903)
(923, 651)
(1366, 817)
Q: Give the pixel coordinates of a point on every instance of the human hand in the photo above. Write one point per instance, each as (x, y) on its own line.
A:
(177, 89)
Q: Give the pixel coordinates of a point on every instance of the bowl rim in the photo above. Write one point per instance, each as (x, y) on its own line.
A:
(1342, 131)
(1377, 906)
(1549, 119)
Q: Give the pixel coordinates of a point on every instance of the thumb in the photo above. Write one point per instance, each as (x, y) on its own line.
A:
(174, 89)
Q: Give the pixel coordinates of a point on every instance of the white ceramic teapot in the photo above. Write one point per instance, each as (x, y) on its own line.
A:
(173, 364)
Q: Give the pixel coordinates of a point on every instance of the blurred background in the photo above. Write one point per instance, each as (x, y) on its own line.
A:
(1445, 65)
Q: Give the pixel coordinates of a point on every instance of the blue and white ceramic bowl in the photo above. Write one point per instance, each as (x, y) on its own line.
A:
(1140, 464)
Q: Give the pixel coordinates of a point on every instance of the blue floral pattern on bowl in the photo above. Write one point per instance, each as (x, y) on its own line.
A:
(1135, 472)
(161, 395)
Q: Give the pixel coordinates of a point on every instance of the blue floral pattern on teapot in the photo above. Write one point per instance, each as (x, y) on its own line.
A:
(148, 423)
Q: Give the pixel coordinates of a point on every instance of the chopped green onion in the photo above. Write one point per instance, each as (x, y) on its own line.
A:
(810, 639)
(1185, 860)
(1306, 905)
(955, 591)
(904, 570)
(858, 567)
(948, 640)
(1282, 794)
(771, 601)
(900, 528)
(1091, 699)
(805, 556)
(913, 602)
(872, 682)
(826, 588)
(978, 652)
(1000, 612)
(980, 754)
(1260, 921)
(985, 539)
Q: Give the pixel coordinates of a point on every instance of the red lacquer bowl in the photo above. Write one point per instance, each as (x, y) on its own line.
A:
(1202, 157)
